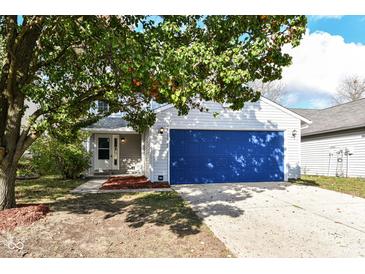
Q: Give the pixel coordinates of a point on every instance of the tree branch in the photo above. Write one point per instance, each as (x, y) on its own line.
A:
(51, 61)
(28, 140)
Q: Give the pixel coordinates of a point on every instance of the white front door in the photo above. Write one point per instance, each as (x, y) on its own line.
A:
(103, 153)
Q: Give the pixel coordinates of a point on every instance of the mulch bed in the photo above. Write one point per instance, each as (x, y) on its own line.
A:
(131, 182)
(21, 215)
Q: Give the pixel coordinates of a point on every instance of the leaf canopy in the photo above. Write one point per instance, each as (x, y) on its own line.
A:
(128, 61)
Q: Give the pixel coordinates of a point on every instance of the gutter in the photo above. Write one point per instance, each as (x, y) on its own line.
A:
(110, 130)
(333, 130)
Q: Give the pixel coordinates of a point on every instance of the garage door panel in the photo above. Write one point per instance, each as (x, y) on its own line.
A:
(214, 156)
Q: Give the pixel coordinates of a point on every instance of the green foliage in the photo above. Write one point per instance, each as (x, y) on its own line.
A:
(2, 44)
(127, 61)
(2, 51)
(42, 156)
(52, 156)
(26, 168)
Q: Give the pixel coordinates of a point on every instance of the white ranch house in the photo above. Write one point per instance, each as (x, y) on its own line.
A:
(261, 142)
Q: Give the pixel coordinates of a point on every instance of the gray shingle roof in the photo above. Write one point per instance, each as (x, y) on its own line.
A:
(110, 123)
(341, 117)
(306, 112)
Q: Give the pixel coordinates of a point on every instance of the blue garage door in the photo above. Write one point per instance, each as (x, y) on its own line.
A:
(218, 156)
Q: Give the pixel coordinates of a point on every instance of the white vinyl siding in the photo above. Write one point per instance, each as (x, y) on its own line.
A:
(317, 161)
(254, 116)
(147, 152)
(130, 156)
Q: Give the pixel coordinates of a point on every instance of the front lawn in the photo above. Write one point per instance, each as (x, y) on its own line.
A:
(47, 189)
(352, 186)
(110, 225)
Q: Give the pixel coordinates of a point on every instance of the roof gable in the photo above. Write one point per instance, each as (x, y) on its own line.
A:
(118, 123)
(263, 99)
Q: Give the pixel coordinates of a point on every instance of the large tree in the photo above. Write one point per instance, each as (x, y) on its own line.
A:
(274, 90)
(64, 65)
(351, 88)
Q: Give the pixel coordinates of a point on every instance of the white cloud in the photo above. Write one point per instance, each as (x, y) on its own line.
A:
(320, 62)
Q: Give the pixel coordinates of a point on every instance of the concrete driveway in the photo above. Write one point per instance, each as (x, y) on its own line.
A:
(281, 220)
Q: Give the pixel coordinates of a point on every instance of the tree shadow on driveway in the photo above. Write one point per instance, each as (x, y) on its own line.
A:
(221, 199)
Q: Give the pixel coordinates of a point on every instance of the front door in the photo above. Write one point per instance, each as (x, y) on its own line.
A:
(104, 155)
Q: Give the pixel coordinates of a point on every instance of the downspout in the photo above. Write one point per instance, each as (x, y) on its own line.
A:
(347, 165)
(300, 146)
(349, 152)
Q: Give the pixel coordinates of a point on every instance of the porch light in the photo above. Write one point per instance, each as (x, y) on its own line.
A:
(294, 133)
(161, 130)
(123, 140)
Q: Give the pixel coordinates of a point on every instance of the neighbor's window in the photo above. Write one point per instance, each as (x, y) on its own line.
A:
(103, 149)
(102, 106)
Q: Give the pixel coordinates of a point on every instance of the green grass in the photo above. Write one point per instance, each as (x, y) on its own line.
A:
(47, 189)
(352, 186)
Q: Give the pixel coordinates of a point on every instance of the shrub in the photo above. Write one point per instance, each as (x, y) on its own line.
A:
(26, 168)
(52, 156)
(42, 153)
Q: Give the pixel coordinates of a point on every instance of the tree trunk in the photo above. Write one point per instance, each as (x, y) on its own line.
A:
(15, 74)
(7, 187)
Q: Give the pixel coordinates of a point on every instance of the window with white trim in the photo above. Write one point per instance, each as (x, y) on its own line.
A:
(102, 106)
(104, 148)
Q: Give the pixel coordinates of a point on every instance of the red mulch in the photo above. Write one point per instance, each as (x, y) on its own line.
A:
(131, 182)
(21, 215)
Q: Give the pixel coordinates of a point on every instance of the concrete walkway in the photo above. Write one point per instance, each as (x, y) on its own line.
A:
(281, 220)
(93, 186)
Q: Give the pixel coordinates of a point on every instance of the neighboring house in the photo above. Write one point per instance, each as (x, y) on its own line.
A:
(261, 142)
(30, 109)
(334, 144)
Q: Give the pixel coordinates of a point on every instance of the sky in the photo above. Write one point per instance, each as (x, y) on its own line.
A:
(332, 49)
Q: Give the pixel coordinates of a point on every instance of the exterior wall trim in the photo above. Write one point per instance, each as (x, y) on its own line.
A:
(111, 130)
(331, 132)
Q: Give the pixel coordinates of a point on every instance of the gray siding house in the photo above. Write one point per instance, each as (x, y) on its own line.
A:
(334, 144)
(261, 142)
